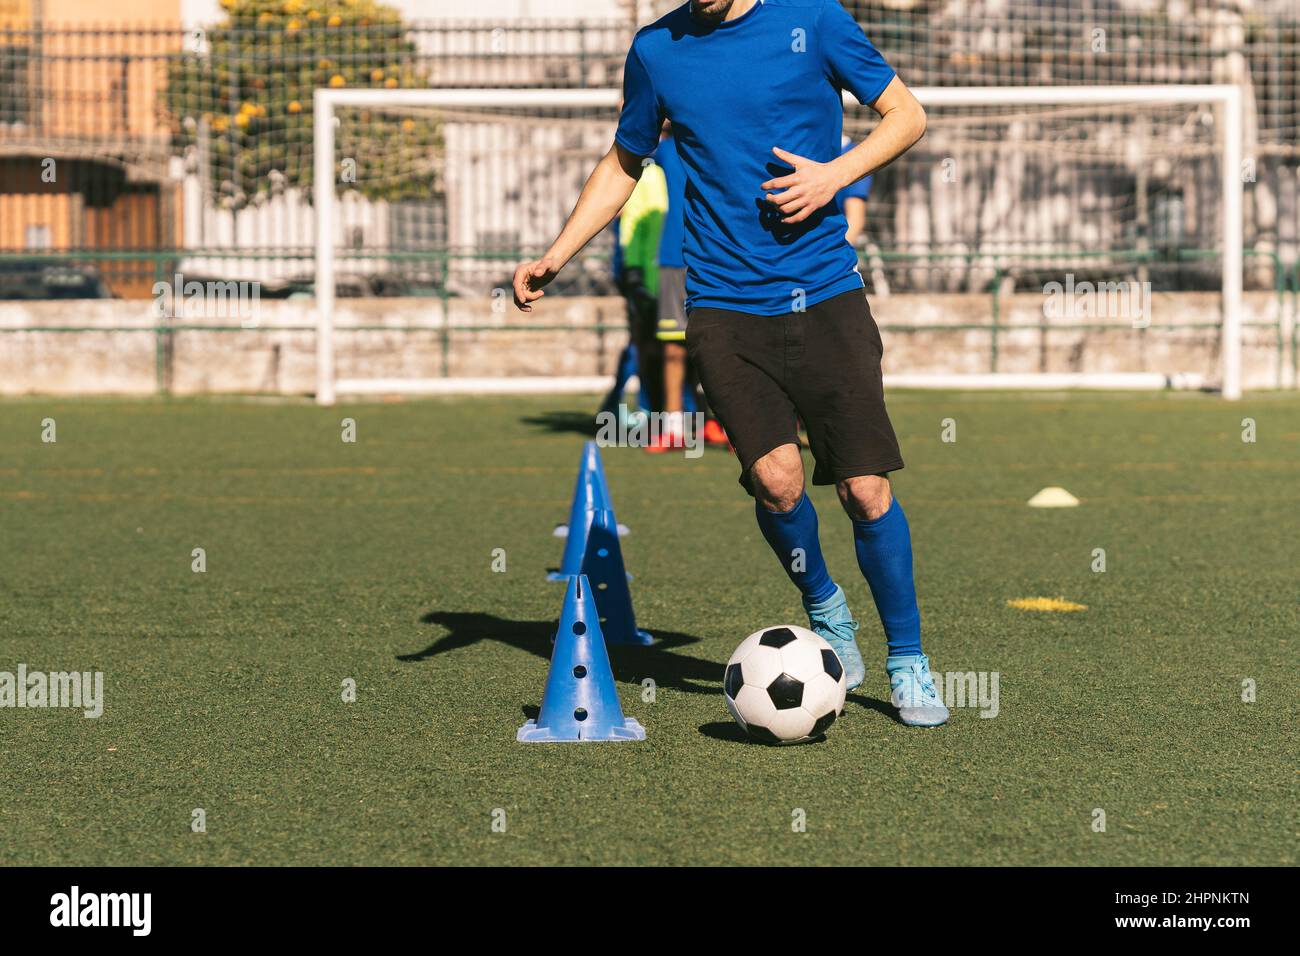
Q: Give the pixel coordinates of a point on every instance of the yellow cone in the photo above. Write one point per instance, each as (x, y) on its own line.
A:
(1053, 497)
(1045, 604)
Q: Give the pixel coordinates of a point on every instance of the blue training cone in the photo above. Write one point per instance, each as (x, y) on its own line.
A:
(580, 702)
(587, 497)
(590, 494)
(602, 563)
(595, 465)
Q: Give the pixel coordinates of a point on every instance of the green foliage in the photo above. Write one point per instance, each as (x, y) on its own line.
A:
(242, 92)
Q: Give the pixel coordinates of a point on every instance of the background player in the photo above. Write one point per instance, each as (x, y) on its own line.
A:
(679, 384)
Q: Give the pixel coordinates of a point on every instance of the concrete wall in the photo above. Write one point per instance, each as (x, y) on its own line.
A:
(278, 354)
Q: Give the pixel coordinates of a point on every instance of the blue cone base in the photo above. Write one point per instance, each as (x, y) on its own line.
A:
(561, 576)
(580, 700)
(530, 733)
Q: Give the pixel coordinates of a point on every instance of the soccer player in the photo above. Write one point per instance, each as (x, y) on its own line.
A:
(779, 325)
(635, 230)
(673, 318)
(640, 223)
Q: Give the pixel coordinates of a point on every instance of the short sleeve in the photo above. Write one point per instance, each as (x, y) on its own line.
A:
(852, 63)
(642, 118)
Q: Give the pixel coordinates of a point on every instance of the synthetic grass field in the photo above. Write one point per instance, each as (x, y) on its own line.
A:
(372, 561)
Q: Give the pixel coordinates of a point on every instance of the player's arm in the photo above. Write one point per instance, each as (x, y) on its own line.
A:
(902, 123)
(813, 184)
(607, 190)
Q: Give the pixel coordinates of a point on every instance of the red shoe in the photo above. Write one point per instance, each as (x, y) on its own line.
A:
(665, 442)
(715, 434)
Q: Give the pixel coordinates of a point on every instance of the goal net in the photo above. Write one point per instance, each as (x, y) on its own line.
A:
(1037, 237)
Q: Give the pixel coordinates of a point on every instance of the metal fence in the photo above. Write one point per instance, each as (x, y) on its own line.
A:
(171, 148)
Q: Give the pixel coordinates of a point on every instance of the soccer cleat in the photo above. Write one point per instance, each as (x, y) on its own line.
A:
(832, 620)
(665, 442)
(715, 434)
(669, 437)
(912, 691)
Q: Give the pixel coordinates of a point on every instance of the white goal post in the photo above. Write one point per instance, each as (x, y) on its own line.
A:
(1227, 98)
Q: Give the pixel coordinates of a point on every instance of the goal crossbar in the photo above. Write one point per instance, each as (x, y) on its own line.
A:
(1227, 97)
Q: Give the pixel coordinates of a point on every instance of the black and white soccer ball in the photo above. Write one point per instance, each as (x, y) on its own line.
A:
(784, 685)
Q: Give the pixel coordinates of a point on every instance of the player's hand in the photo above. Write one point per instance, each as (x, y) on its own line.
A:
(530, 278)
(804, 191)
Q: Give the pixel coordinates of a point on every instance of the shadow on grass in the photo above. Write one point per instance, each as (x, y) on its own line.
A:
(874, 703)
(730, 732)
(658, 661)
(576, 423)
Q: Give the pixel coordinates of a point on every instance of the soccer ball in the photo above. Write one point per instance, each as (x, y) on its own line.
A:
(784, 685)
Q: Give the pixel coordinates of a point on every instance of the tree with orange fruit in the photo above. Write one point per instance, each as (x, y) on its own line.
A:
(243, 89)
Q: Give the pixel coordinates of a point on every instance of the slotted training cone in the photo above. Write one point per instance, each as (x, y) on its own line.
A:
(602, 563)
(594, 465)
(580, 702)
(587, 497)
(590, 494)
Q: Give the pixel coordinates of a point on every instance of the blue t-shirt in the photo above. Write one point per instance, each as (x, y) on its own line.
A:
(771, 77)
(859, 190)
(670, 240)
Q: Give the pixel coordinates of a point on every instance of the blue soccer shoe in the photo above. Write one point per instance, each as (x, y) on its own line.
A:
(831, 619)
(912, 691)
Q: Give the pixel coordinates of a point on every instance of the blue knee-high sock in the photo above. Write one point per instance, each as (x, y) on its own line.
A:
(884, 548)
(787, 531)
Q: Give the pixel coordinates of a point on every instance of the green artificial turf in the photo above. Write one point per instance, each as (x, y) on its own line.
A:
(373, 561)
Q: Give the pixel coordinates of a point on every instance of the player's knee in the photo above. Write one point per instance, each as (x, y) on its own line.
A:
(865, 497)
(777, 478)
(779, 496)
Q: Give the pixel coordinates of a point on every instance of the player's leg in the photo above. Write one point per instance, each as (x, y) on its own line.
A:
(628, 360)
(740, 358)
(650, 355)
(670, 333)
(883, 542)
(627, 364)
(674, 376)
(671, 434)
(788, 521)
(854, 443)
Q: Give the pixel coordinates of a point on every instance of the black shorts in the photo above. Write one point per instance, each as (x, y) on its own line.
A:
(762, 373)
